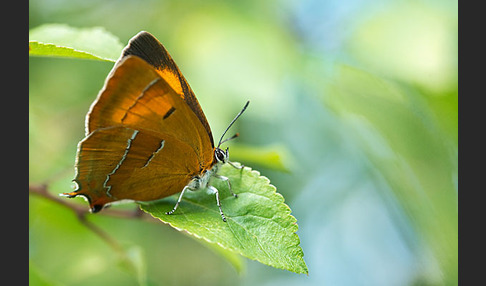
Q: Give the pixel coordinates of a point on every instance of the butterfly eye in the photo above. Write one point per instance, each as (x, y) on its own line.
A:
(220, 155)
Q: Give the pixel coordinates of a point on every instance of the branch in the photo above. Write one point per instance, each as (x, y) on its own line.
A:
(81, 211)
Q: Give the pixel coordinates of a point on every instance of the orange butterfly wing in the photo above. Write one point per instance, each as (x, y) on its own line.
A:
(145, 140)
(136, 96)
(147, 47)
(117, 163)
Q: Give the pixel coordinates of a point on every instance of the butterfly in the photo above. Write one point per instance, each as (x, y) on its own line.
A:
(147, 137)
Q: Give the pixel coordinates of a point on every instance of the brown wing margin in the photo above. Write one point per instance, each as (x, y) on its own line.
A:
(147, 47)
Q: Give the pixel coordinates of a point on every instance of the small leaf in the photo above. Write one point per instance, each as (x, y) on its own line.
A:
(51, 50)
(275, 157)
(57, 40)
(133, 262)
(259, 224)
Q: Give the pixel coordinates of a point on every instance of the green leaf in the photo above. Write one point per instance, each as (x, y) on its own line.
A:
(259, 224)
(403, 140)
(133, 262)
(276, 157)
(57, 40)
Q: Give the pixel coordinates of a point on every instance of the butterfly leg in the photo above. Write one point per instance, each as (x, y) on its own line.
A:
(214, 190)
(178, 201)
(241, 167)
(223, 178)
(236, 167)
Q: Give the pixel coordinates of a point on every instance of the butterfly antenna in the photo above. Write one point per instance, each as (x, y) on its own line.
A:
(231, 138)
(229, 126)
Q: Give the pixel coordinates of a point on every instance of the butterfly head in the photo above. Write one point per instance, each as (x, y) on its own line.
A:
(222, 156)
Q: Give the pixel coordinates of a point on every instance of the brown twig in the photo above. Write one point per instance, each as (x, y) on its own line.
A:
(102, 234)
(41, 190)
(82, 211)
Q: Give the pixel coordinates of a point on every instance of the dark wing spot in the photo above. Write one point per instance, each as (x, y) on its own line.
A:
(169, 112)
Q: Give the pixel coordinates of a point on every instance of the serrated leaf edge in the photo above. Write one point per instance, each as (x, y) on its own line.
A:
(292, 218)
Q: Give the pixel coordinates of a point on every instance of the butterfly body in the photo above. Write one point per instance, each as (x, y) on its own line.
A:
(146, 135)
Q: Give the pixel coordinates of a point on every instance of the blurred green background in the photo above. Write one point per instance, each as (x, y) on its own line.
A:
(359, 97)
